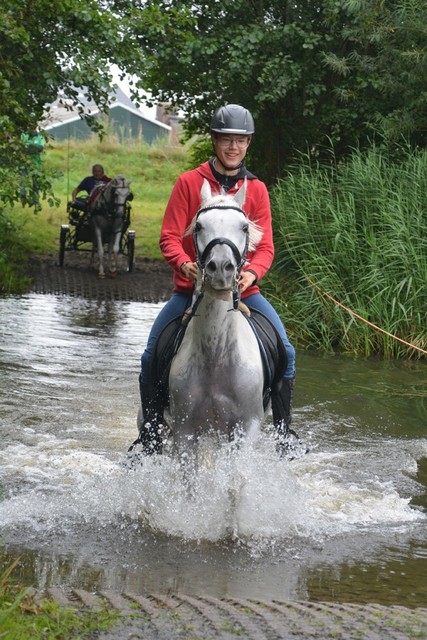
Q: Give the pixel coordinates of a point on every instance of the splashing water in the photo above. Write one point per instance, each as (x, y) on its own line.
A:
(247, 495)
(69, 397)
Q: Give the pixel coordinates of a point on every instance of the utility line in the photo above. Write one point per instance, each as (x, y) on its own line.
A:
(371, 324)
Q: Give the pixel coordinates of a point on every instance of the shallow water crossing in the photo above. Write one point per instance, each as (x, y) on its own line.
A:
(345, 522)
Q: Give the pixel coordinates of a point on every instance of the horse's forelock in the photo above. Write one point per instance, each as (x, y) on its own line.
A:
(218, 199)
(255, 231)
(119, 181)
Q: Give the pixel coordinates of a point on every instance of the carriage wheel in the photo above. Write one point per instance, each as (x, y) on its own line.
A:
(62, 241)
(131, 249)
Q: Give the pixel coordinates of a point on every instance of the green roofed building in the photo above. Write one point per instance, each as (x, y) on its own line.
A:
(124, 120)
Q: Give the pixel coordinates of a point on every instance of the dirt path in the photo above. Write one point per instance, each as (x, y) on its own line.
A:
(149, 281)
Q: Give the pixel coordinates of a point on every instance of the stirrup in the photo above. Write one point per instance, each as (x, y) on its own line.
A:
(151, 441)
(288, 444)
(155, 449)
(134, 443)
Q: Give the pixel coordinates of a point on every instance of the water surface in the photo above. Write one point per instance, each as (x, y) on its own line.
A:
(346, 522)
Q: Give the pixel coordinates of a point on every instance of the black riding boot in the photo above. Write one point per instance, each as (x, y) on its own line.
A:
(281, 404)
(150, 431)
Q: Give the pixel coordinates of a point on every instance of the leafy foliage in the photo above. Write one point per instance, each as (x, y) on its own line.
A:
(312, 73)
(47, 47)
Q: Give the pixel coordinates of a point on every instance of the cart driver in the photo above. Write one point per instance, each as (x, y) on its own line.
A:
(88, 184)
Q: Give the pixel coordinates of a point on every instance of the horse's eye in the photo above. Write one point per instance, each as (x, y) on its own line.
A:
(245, 228)
(197, 227)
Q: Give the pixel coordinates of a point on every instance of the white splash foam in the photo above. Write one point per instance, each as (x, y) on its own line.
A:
(250, 495)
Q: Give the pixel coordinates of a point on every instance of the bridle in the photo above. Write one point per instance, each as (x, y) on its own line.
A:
(113, 209)
(239, 257)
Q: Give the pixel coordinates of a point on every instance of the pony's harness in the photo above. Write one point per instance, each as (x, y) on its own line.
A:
(239, 257)
(99, 203)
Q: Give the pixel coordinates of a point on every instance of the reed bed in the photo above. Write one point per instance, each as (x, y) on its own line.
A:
(358, 232)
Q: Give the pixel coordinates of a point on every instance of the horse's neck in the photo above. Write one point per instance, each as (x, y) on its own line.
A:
(215, 323)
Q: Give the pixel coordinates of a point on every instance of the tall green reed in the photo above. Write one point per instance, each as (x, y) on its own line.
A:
(358, 231)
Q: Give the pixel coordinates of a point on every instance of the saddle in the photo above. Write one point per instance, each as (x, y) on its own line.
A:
(273, 352)
(272, 349)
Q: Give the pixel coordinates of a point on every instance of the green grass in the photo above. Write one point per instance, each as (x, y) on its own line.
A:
(152, 170)
(12, 257)
(358, 232)
(24, 617)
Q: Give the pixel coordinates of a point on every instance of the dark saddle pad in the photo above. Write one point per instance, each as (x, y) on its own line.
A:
(271, 346)
(273, 352)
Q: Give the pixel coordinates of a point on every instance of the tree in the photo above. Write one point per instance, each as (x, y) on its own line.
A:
(384, 64)
(48, 46)
(313, 73)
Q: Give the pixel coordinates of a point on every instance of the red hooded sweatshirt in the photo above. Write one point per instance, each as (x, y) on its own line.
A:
(185, 201)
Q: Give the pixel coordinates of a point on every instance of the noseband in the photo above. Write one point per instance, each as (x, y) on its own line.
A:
(239, 257)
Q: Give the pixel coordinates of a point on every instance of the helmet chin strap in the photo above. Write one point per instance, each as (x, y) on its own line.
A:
(238, 166)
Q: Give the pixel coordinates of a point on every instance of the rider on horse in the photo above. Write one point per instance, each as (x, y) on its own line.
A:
(231, 129)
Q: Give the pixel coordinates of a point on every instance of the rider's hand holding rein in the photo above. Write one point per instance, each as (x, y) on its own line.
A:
(189, 269)
(247, 278)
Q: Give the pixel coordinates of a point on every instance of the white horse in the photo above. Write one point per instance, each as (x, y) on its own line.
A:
(107, 215)
(216, 377)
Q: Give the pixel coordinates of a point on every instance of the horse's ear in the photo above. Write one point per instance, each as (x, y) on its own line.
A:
(205, 191)
(240, 196)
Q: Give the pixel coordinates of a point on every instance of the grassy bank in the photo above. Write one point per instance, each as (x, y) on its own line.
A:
(24, 618)
(358, 232)
(152, 170)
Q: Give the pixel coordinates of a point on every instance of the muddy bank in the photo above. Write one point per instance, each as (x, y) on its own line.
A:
(149, 280)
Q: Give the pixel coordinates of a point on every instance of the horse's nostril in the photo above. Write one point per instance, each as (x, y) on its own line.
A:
(211, 266)
(229, 266)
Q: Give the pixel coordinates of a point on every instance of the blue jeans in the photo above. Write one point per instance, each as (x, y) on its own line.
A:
(179, 302)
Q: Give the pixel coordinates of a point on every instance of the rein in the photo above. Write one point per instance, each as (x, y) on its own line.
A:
(239, 257)
(108, 205)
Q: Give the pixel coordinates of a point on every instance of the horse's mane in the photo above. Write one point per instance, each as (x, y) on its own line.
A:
(221, 199)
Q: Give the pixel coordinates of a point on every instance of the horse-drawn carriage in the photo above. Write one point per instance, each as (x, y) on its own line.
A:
(98, 221)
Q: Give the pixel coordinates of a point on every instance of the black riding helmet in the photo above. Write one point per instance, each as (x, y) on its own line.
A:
(232, 118)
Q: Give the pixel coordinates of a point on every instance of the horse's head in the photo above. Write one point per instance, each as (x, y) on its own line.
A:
(223, 235)
(111, 202)
(118, 192)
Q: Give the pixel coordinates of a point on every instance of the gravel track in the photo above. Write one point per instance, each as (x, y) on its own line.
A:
(149, 281)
